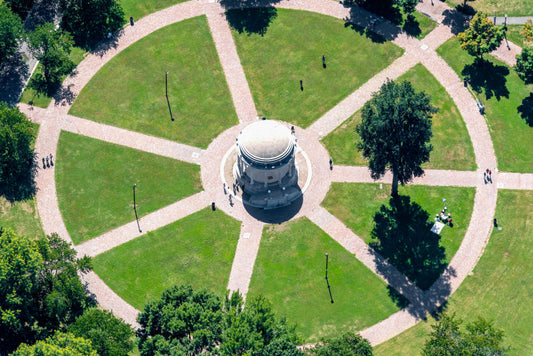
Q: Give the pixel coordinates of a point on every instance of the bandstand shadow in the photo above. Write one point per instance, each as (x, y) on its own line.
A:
(278, 215)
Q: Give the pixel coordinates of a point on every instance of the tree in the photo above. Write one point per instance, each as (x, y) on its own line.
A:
(17, 160)
(60, 344)
(524, 65)
(185, 321)
(40, 290)
(481, 37)
(347, 344)
(408, 6)
(19, 266)
(90, 21)
(10, 33)
(480, 338)
(109, 335)
(20, 7)
(527, 30)
(52, 48)
(395, 132)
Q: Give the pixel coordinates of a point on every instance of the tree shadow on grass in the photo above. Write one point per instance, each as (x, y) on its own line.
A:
(13, 75)
(486, 77)
(412, 27)
(403, 236)
(21, 183)
(363, 31)
(250, 16)
(526, 109)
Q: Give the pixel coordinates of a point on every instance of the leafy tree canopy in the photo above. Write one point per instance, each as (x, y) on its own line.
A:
(185, 322)
(524, 65)
(40, 290)
(348, 344)
(20, 7)
(10, 32)
(109, 336)
(17, 168)
(60, 344)
(52, 48)
(90, 21)
(480, 338)
(395, 132)
(527, 30)
(481, 37)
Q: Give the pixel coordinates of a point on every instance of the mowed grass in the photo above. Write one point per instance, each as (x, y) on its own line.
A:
(197, 250)
(22, 217)
(139, 9)
(95, 180)
(509, 7)
(452, 148)
(129, 91)
(514, 34)
(32, 97)
(502, 94)
(500, 286)
(356, 204)
(290, 270)
(291, 50)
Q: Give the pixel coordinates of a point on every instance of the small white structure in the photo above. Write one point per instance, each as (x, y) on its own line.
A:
(265, 168)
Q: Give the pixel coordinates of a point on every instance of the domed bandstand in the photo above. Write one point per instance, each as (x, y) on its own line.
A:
(265, 168)
(272, 165)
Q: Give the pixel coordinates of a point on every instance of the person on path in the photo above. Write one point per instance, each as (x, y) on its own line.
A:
(44, 164)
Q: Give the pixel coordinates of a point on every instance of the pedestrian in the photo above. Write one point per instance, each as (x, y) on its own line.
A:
(490, 176)
(230, 200)
(330, 164)
(44, 164)
(224, 187)
(323, 61)
(301, 85)
(47, 163)
(485, 177)
(51, 160)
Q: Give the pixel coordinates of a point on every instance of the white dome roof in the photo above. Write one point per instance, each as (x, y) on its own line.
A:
(266, 142)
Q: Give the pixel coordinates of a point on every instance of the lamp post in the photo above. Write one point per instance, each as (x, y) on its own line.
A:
(327, 265)
(134, 207)
(166, 84)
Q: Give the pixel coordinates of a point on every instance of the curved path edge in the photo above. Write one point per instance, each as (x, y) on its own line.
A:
(55, 118)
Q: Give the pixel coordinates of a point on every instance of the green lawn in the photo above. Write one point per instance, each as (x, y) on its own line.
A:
(290, 269)
(509, 7)
(291, 50)
(139, 9)
(355, 204)
(514, 34)
(30, 96)
(197, 250)
(502, 93)
(421, 27)
(500, 286)
(95, 184)
(129, 91)
(22, 217)
(452, 148)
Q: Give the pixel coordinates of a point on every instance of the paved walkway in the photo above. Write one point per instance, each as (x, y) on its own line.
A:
(55, 118)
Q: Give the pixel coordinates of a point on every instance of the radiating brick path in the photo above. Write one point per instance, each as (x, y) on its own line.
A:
(55, 118)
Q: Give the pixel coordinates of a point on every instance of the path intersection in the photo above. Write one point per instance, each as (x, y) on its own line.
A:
(55, 118)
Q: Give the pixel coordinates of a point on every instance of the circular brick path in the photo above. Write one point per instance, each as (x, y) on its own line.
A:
(55, 118)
